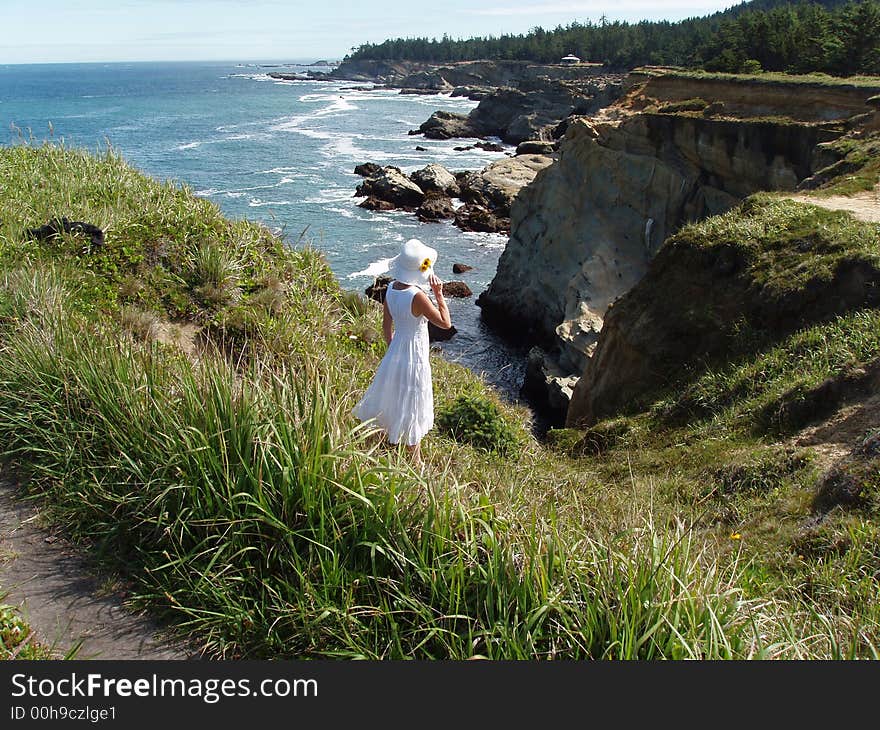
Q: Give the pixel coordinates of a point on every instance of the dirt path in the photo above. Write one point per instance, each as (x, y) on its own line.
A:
(60, 597)
(863, 206)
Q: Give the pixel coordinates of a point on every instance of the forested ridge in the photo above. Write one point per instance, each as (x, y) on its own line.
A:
(831, 36)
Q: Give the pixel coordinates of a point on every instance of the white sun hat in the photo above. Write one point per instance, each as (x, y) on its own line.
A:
(414, 264)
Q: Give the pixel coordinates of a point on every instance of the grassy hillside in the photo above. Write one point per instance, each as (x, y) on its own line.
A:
(180, 397)
(771, 440)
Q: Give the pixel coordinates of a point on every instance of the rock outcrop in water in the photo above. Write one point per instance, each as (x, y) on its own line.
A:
(486, 195)
(531, 111)
(584, 232)
(436, 178)
(393, 186)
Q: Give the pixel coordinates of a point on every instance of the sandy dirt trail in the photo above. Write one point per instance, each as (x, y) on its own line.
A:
(863, 206)
(60, 596)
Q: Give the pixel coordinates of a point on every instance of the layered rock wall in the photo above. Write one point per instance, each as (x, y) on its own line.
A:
(533, 111)
(584, 232)
(746, 97)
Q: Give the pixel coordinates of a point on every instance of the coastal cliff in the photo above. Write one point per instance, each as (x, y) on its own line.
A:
(721, 289)
(586, 230)
(671, 502)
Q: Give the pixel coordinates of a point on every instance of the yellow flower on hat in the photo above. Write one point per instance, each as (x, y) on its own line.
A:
(426, 264)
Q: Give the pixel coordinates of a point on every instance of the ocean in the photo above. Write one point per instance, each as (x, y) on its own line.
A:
(279, 152)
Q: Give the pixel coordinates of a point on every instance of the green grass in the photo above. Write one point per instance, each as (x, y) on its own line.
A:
(685, 105)
(17, 640)
(761, 394)
(786, 245)
(165, 249)
(720, 447)
(859, 167)
(236, 491)
(263, 523)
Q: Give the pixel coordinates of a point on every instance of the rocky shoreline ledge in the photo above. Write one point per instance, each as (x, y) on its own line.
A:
(473, 200)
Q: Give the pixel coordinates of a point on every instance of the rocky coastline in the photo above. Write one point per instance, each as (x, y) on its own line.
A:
(606, 169)
(585, 231)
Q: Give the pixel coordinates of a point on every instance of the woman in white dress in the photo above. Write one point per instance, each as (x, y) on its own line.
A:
(401, 398)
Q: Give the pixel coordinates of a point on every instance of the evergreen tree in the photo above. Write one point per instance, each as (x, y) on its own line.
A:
(832, 36)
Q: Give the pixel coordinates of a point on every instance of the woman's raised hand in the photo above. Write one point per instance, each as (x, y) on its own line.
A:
(436, 286)
(440, 315)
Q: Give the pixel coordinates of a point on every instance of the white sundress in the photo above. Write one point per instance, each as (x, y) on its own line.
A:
(401, 398)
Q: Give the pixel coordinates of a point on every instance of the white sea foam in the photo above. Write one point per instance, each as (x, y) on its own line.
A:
(459, 103)
(312, 133)
(307, 98)
(289, 124)
(487, 240)
(338, 103)
(342, 104)
(330, 195)
(291, 175)
(238, 192)
(238, 137)
(373, 270)
(257, 203)
(344, 212)
(256, 123)
(252, 77)
(345, 146)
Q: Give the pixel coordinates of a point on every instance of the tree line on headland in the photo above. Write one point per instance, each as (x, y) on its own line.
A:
(831, 36)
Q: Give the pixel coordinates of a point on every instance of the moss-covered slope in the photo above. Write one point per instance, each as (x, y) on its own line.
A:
(724, 288)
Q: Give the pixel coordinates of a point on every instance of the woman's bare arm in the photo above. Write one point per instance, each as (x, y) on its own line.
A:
(387, 323)
(422, 306)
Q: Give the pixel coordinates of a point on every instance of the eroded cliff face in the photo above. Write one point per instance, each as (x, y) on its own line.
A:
(584, 232)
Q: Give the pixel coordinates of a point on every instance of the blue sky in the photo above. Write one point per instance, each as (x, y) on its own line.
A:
(241, 30)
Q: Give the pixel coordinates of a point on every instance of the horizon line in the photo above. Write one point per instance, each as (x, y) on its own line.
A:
(292, 61)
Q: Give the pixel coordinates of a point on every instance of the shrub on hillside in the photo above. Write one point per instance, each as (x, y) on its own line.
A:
(479, 422)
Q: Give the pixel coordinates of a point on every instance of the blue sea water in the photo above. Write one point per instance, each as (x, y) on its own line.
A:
(279, 152)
